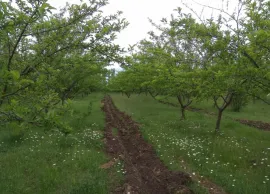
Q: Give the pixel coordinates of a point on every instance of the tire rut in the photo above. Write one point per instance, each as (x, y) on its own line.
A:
(145, 173)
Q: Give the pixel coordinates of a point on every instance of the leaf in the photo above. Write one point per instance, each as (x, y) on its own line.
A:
(4, 6)
(15, 74)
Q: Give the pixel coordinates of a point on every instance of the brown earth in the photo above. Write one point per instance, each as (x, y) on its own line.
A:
(145, 173)
(257, 124)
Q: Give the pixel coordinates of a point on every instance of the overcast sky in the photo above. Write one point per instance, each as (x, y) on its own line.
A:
(137, 13)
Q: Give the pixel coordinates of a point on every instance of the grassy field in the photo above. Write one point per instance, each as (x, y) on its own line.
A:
(252, 111)
(49, 162)
(238, 159)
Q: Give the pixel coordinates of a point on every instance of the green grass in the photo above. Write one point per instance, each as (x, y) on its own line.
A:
(252, 111)
(40, 162)
(238, 159)
(115, 132)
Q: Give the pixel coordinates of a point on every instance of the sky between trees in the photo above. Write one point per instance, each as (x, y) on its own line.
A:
(138, 12)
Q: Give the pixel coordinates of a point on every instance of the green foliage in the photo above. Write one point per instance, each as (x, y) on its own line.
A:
(49, 58)
(238, 102)
(217, 58)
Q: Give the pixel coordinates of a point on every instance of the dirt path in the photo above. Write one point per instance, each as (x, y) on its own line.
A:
(145, 173)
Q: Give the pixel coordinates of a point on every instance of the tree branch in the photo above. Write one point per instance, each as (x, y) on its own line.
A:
(13, 93)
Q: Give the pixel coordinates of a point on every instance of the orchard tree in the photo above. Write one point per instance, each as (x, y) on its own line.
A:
(47, 58)
(224, 58)
(174, 59)
(238, 68)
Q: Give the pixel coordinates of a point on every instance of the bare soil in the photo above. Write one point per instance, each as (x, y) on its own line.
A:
(257, 124)
(145, 172)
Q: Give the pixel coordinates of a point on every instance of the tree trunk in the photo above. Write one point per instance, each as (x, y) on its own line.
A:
(219, 120)
(63, 99)
(3, 93)
(183, 107)
(183, 113)
(128, 94)
(226, 102)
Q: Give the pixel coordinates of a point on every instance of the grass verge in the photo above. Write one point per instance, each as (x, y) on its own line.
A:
(51, 162)
(258, 110)
(237, 159)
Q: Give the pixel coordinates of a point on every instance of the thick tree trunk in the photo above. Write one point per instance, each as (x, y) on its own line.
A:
(219, 120)
(226, 102)
(183, 106)
(183, 113)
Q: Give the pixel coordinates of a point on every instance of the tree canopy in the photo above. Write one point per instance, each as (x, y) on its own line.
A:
(49, 56)
(221, 58)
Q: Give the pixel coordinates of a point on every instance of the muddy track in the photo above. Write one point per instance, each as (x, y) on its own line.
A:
(145, 173)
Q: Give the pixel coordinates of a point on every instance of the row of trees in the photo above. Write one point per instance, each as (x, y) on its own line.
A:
(48, 56)
(224, 59)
